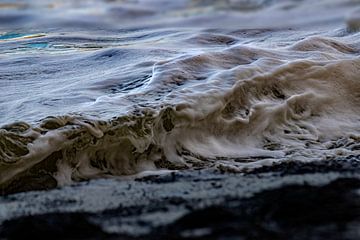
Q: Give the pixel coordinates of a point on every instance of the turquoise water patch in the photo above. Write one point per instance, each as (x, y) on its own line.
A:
(38, 45)
(7, 36)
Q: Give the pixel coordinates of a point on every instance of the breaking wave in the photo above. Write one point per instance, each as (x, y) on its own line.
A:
(234, 108)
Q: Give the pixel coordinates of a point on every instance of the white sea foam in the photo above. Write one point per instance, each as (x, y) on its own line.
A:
(224, 91)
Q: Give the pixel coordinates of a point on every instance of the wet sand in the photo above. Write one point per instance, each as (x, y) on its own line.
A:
(318, 200)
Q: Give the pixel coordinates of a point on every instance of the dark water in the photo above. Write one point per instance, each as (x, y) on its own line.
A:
(110, 88)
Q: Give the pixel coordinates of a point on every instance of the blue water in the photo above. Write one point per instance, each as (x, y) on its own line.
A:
(8, 36)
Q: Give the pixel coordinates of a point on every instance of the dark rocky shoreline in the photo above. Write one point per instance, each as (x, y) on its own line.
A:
(318, 200)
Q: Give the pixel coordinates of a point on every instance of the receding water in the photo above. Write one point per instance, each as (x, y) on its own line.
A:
(109, 88)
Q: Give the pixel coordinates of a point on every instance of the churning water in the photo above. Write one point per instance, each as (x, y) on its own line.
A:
(110, 88)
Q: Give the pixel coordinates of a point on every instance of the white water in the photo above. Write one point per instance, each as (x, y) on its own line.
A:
(116, 88)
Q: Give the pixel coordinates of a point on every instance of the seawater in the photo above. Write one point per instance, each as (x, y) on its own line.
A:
(95, 89)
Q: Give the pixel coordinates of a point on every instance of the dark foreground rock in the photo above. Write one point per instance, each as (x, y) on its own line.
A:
(292, 212)
(272, 204)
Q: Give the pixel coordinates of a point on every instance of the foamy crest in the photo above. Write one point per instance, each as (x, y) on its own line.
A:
(232, 108)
